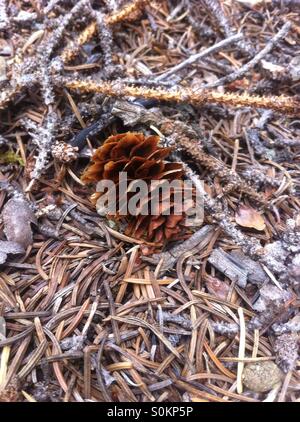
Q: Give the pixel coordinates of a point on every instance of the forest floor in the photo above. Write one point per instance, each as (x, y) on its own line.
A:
(89, 312)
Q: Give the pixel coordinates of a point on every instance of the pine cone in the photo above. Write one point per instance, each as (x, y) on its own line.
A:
(63, 152)
(142, 158)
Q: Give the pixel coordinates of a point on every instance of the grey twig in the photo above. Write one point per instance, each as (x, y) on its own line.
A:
(4, 20)
(105, 40)
(249, 246)
(50, 6)
(252, 63)
(192, 59)
(199, 239)
(215, 7)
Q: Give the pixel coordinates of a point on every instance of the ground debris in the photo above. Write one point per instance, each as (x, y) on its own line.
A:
(293, 325)
(271, 304)
(238, 267)
(17, 218)
(261, 376)
(84, 317)
(286, 347)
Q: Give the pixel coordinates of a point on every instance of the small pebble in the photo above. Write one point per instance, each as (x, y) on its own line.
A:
(261, 376)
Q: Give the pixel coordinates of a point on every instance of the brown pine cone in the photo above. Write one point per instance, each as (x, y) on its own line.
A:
(131, 152)
(142, 158)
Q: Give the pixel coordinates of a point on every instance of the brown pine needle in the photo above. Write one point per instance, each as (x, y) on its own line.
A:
(216, 361)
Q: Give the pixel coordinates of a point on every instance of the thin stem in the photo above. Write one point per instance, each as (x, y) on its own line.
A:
(283, 104)
(195, 57)
(252, 63)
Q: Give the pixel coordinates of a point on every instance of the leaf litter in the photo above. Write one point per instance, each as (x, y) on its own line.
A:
(83, 315)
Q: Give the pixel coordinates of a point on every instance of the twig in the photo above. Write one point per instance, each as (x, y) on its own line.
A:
(87, 34)
(242, 345)
(249, 245)
(101, 383)
(50, 6)
(255, 175)
(4, 20)
(28, 72)
(43, 137)
(215, 7)
(194, 150)
(244, 69)
(112, 309)
(288, 105)
(195, 57)
(224, 263)
(112, 5)
(204, 30)
(167, 259)
(105, 40)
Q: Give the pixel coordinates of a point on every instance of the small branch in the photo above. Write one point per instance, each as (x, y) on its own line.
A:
(111, 5)
(244, 69)
(43, 137)
(242, 347)
(249, 246)
(73, 48)
(288, 105)
(26, 73)
(215, 7)
(224, 263)
(50, 6)
(195, 57)
(105, 41)
(4, 20)
(255, 176)
(47, 47)
(169, 258)
(215, 166)
(87, 34)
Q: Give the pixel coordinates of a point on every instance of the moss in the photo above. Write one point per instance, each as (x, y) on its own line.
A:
(10, 157)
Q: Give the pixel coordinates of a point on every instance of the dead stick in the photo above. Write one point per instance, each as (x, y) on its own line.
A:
(87, 34)
(283, 104)
(249, 65)
(198, 56)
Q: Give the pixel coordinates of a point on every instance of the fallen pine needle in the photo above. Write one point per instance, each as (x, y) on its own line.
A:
(242, 345)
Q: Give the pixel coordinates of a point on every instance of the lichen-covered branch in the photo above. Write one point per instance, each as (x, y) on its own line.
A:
(217, 167)
(215, 8)
(87, 34)
(250, 246)
(256, 59)
(4, 20)
(283, 104)
(43, 137)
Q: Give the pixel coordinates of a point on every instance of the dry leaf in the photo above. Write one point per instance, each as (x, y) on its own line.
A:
(250, 218)
(17, 217)
(216, 287)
